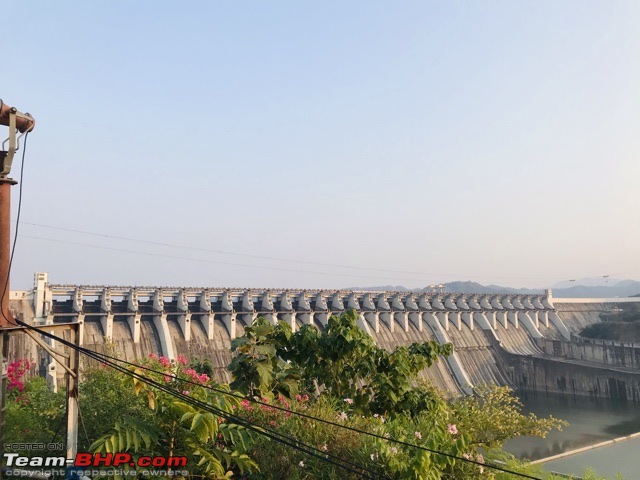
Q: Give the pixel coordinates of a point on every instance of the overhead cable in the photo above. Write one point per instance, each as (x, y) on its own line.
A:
(110, 360)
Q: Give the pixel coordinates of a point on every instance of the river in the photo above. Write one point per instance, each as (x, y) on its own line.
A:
(591, 421)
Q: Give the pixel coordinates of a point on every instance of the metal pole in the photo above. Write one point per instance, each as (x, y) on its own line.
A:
(5, 313)
(72, 396)
(5, 249)
(24, 121)
(4, 343)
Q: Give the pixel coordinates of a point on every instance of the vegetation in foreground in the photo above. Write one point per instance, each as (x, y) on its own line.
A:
(339, 375)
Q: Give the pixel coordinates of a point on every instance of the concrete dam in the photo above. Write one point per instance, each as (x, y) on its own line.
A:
(524, 341)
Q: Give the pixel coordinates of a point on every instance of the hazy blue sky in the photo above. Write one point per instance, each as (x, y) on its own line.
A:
(491, 141)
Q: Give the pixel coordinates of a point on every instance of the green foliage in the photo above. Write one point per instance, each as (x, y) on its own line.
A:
(389, 459)
(622, 324)
(356, 382)
(105, 394)
(342, 360)
(257, 368)
(202, 365)
(493, 415)
(623, 313)
(172, 426)
(280, 461)
(620, 331)
(35, 415)
(128, 434)
(339, 375)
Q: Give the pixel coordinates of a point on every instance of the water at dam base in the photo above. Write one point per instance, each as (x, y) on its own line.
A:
(592, 421)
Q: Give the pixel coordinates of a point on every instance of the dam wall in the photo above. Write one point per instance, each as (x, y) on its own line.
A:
(606, 352)
(504, 339)
(570, 377)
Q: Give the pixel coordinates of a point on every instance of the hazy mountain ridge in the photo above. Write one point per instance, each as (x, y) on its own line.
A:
(589, 282)
(623, 288)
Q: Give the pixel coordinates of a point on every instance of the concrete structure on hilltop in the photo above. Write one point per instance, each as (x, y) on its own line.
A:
(497, 338)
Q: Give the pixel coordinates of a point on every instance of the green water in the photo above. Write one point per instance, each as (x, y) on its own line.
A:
(591, 421)
(606, 461)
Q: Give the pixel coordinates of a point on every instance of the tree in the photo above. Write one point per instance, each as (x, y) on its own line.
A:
(257, 368)
(342, 360)
(493, 415)
(33, 413)
(106, 394)
(178, 427)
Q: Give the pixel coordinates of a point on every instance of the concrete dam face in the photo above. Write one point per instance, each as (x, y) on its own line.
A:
(523, 341)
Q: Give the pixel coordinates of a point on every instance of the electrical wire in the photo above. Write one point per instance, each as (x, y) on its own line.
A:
(294, 412)
(261, 429)
(273, 434)
(82, 421)
(223, 252)
(15, 238)
(104, 358)
(202, 260)
(263, 257)
(290, 441)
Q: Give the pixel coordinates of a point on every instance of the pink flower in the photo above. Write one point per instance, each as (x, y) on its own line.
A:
(15, 371)
(153, 356)
(16, 384)
(164, 361)
(349, 401)
(452, 429)
(182, 359)
(186, 392)
(418, 435)
(480, 458)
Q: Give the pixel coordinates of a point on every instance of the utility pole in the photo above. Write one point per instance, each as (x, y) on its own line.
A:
(19, 124)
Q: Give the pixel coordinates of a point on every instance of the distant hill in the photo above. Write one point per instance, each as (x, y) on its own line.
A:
(453, 287)
(589, 282)
(474, 287)
(384, 288)
(623, 288)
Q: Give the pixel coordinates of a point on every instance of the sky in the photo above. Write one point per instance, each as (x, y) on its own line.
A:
(326, 144)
